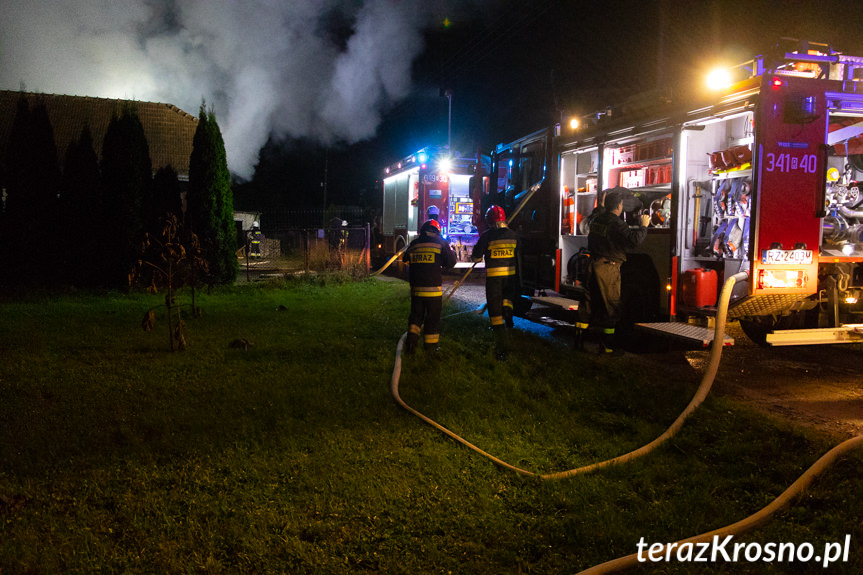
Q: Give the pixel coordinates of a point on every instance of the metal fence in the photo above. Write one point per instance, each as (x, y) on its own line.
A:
(291, 251)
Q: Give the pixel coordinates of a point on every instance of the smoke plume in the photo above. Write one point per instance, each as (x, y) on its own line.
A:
(319, 69)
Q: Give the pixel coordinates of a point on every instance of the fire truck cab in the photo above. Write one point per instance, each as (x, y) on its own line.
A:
(430, 184)
(765, 177)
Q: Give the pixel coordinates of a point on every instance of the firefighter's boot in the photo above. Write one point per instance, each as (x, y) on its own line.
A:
(580, 333)
(501, 342)
(508, 314)
(411, 343)
(607, 345)
(430, 344)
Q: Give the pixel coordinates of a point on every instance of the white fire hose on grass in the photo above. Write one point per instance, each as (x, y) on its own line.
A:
(700, 395)
(754, 520)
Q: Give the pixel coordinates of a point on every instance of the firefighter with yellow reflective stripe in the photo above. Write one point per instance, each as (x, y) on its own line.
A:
(609, 238)
(255, 239)
(426, 256)
(498, 246)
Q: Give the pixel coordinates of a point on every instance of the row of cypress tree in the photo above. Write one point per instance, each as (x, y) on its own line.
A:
(84, 226)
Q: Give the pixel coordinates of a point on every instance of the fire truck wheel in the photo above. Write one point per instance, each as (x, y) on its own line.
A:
(756, 328)
(522, 305)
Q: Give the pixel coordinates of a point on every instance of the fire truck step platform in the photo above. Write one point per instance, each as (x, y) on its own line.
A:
(685, 331)
(848, 333)
(556, 301)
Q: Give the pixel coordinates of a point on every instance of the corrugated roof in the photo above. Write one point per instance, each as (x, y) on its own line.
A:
(169, 130)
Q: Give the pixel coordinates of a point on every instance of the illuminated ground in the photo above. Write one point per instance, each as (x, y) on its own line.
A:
(815, 386)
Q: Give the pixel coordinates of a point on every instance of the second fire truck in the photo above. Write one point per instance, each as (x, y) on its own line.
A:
(430, 183)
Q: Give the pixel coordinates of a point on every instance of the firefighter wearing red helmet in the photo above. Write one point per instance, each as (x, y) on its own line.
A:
(426, 256)
(498, 246)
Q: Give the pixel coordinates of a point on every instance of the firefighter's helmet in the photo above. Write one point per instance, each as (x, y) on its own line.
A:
(495, 215)
(431, 226)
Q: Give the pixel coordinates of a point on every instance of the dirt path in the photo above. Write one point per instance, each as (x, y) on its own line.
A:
(815, 386)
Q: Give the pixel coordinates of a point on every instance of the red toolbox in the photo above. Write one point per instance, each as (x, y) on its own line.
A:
(698, 287)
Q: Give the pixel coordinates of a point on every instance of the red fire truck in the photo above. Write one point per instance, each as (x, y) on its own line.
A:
(764, 177)
(430, 184)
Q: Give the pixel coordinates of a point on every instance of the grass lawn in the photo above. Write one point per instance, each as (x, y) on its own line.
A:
(118, 456)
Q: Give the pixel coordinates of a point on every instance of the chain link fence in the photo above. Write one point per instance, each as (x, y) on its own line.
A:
(295, 250)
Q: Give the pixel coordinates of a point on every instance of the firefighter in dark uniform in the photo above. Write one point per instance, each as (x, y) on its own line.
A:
(609, 238)
(255, 239)
(498, 246)
(426, 256)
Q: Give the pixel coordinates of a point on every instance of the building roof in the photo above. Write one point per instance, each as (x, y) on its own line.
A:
(168, 129)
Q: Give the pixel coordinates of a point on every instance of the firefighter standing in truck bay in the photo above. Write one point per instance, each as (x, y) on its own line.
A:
(426, 256)
(609, 238)
(498, 246)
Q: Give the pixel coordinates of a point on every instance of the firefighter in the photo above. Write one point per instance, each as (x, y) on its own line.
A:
(426, 256)
(255, 238)
(498, 245)
(609, 238)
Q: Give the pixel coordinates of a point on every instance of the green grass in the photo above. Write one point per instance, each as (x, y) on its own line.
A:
(118, 456)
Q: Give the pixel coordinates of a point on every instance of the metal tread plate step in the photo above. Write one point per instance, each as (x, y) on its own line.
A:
(685, 331)
(556, 301)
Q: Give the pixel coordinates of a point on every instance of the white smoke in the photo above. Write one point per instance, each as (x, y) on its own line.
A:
(266, 66)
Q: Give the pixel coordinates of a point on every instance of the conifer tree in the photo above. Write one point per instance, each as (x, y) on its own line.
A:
(166, 197)
(209, 202)
(29, 242)
(127, 183)
(81, 205)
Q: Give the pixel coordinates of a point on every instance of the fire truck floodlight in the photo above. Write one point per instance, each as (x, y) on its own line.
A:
(445, 165)
(718, 79)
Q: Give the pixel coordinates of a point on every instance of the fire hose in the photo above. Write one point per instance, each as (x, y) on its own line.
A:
(700, 395)
(698, 398)
(753, 520)
(390, 261)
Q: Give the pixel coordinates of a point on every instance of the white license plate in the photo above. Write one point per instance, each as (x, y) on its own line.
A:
(802, 257)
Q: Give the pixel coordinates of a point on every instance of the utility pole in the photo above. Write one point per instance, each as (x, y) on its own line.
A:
(326, 175)
(448, 93)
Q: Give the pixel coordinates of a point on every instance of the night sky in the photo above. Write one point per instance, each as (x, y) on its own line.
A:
(340, 88)
(513, 71)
